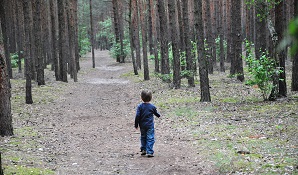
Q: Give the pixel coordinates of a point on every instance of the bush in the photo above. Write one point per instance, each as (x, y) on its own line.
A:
(262, 71)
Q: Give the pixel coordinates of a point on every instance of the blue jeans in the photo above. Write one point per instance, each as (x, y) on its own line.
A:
(147, 140)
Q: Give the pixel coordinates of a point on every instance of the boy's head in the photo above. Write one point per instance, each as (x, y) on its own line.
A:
(146, 96)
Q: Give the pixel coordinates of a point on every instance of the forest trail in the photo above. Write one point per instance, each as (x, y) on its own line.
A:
(94, 127)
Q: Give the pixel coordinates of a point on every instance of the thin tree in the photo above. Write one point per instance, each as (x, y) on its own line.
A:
(135, 22)
(6, 128)
(187, 38)
(260, 26)
(163, 21)
(202, 59)
(92, 34)
(27, 51)
(155, 32)
(131, 37)
(294, 84)
(175, 44)
(54, 29)
(236, 59)
(221, 37)
(63, 44)
(209, 37)
(279, 21)
(72, 40)
(4, 26)
(38, 44)
(143, 16)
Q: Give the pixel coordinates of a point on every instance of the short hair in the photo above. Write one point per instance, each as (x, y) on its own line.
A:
(146, 95)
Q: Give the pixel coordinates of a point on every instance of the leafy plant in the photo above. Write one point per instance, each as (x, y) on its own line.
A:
(262, 72)
(14, 58)
(84, 42)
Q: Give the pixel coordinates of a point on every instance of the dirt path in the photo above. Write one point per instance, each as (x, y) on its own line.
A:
(94, 131)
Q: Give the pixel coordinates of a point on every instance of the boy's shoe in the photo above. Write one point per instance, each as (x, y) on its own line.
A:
(143, 152)
(150, 155)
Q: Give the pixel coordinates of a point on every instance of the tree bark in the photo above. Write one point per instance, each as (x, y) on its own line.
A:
(175, 44)
(236, 59)
(279, 21)
(55, 54)
(38, 42)
(27, 51)
(221, 36)
(72, 39)
(187, 38)
(131, 37)
(4, 26)
(163, 20)
(92, 34)
(6, 128)
(63, 44)
(260, 44)
(136, 33)
(202, 59)
(143, 15)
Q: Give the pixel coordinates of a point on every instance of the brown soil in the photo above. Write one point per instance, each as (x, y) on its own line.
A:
(91, 131)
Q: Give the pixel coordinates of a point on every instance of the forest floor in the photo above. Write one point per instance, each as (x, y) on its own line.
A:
(87, 127)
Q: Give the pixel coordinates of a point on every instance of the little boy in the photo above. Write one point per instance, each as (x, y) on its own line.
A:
(145, 120)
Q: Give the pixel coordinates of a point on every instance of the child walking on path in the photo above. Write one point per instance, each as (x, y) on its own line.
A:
(145, 120)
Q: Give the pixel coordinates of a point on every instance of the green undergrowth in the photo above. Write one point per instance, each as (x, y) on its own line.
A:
(238, 132)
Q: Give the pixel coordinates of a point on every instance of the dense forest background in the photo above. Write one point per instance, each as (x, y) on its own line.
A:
(182, 42)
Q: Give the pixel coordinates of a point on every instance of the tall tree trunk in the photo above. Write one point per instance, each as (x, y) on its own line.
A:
(131, 37)
(294, 85)
(92, 34)
(136, 33)
(175, 44)
(38, 42)
(163, 20)
(5, 30)
(53, 10)
(202, 59)
(150, 29)
(63, 47)
(72, 35)
(221, 37)
(181, 31)
(116, 26)
(236, 59)
(143, 16)
(27, 50)
(188, 45)
(155, 32)
(6, 128)
(279, 26)
(20, 32)
(260, 44)
(209, 37)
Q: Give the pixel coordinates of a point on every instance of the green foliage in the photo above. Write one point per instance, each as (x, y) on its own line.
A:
(14, 58)
(269, 4)
(84, 41)
(115, 49)
(106, 30)
(262, 72)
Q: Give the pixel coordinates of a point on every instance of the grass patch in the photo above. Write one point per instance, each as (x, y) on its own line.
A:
(22, 170)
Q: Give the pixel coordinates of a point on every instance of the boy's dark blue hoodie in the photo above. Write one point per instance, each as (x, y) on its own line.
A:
(144, 115)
